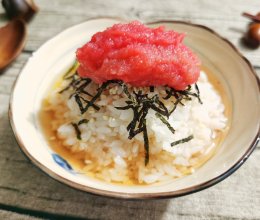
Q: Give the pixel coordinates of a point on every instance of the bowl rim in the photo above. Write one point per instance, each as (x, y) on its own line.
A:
(139, 196)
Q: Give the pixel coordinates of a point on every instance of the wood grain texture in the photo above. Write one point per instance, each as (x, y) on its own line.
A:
(26, 187)
(14, 216)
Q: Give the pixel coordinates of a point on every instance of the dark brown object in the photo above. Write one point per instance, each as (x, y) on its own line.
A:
(23, 9)
(12, 40)
(252, 38)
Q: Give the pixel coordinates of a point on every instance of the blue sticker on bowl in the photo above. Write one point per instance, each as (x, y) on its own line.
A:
(61, 162)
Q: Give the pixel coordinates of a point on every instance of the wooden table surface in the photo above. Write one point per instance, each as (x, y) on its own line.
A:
(27, 193)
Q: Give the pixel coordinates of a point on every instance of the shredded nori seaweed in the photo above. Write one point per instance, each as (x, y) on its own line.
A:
(83, 121)
(165, 122)
(139, 102)
(198, 93)
(77, 130)
(76, 127)
(146, 144)
(181, 141)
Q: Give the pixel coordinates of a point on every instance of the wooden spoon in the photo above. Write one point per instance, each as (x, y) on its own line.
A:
(12, 41)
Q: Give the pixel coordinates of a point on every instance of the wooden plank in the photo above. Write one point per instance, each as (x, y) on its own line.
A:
(26, 187)
(8, 76)
(14, 216)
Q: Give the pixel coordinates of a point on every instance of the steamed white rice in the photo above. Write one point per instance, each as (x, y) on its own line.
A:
(111, 156)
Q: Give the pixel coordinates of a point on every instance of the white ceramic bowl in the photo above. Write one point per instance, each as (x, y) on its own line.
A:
(217, 54)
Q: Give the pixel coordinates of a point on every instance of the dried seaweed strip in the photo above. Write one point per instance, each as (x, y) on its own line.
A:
(95, 97)
(83, 121)
(77, 130)
(126, 91)
(143, 116)
(81, 88)
(68, 86)
(163, 120)
(198, 92)
(80, 105)
(73, 84)
(135, 119)
(97, 108)
(175, 104)
(124, 107)
(146, 144)
(181, 141)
